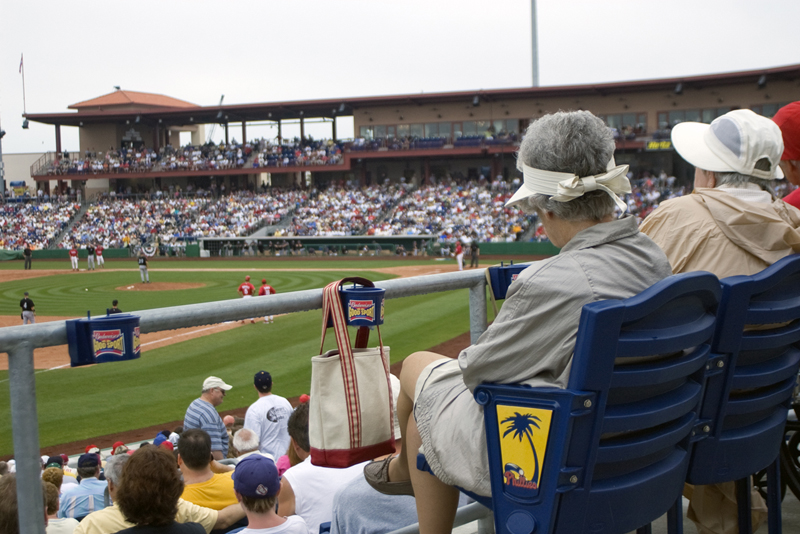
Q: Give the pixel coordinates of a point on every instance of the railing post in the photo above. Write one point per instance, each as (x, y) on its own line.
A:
(477, 310)
(25, 429)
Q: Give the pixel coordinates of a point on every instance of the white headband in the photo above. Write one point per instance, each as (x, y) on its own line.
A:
(565, 186)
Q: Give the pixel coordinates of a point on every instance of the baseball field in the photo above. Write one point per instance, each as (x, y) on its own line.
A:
(103, 401)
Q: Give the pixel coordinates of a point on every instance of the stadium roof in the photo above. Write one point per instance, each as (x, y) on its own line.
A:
(273, 111)
(131, 98)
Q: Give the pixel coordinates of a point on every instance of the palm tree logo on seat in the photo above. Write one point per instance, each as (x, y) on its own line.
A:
(522, 425)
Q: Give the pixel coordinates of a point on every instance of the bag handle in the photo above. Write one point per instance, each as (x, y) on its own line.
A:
(332, 307)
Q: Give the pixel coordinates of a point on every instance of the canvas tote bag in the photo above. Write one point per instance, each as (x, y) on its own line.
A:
(350, 412)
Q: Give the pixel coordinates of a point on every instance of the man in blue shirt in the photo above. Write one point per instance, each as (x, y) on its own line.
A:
(202, 414)
(82, 499)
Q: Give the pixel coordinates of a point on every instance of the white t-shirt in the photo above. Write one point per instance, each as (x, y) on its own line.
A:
(294, 525)
(314, 488)
(62, 526)
(268, 417)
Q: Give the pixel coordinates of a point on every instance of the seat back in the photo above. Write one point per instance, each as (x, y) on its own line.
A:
(610, 453)
(758, 338)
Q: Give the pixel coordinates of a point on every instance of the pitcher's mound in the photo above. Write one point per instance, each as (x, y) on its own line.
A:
(160, 286)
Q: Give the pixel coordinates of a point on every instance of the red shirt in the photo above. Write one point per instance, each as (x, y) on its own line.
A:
(246, 289)
(73, 252)
(266, 290)
(98, 250)
(793, 198)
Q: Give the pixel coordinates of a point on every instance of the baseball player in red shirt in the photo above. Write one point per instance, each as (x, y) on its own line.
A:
(98, 252)
(73, 257)
(265, 290)
(246, 290)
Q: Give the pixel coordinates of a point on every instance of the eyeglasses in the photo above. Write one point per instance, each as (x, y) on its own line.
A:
(221, 391)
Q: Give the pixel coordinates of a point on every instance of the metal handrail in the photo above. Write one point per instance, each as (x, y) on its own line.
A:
(19, 342)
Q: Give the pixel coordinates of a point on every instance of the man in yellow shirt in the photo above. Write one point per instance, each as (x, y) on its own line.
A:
(203, 486)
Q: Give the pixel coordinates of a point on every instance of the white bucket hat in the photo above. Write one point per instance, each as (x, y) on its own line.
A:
(734, 142)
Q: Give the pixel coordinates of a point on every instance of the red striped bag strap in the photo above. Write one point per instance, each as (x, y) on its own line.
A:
(333, 309)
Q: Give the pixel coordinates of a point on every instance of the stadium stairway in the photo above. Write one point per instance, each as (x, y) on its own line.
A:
(66, 231)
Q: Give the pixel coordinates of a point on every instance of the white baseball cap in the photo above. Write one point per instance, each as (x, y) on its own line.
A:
(734, 142)
(214, 382)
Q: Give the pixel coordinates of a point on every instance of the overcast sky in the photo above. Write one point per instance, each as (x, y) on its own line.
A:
(262, 50)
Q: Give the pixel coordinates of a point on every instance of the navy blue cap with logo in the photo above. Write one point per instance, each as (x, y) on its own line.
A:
(256, 477)
(263, 381)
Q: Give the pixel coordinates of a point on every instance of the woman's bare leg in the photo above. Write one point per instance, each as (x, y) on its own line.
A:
(436, 501)
(413, 366)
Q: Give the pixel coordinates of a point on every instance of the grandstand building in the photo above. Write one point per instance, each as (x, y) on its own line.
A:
(418, 137)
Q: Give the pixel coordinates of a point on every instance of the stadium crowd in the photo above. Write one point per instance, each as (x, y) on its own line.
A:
(36, 224)
(342, 210)
(121, 222)
(455, 210)
(256, 153)
(452, 209)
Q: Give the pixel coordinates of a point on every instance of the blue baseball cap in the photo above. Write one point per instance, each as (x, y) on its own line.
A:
(90, 459)
(256, 477)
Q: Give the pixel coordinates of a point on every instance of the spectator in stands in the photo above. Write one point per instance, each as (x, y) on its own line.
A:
(257, 485)
(55, 476)
(268, 417)
(110, 519)
(788, 120)
(601, 257)
(150, 493)
(204, 486)
(9, 514)
(245, 442)
(307, 490)
(734, 158)
(202, 414)
(78, 501)
(55, 525)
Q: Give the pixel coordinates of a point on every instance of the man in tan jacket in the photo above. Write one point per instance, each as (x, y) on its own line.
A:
(730, 225)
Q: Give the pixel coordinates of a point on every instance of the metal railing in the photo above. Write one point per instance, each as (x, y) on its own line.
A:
(20, 341)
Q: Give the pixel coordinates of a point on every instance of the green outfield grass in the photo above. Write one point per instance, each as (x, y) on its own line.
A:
(73, 294)
(86, 402)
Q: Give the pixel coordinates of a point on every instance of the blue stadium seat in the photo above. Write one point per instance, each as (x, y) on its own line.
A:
(747, 401)
(610, 453)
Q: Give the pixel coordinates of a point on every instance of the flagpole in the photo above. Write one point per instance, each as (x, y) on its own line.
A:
(22, 70)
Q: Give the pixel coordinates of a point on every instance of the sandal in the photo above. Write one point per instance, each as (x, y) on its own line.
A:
(377, 474)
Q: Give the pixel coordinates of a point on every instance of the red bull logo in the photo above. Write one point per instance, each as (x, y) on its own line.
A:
(361, 310)
(110, 342)
(136, 342)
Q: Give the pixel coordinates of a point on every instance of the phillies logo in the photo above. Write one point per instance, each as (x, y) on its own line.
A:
(108, 342)
(361, 309)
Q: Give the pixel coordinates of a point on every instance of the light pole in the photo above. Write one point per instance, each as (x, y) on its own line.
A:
(2, 169)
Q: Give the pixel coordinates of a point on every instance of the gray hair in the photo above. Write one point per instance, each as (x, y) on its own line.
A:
(735, 179)
(245, 440)
(114, 465)
(576, 142)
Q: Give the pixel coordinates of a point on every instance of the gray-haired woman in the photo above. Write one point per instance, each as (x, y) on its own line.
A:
(572, 183)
